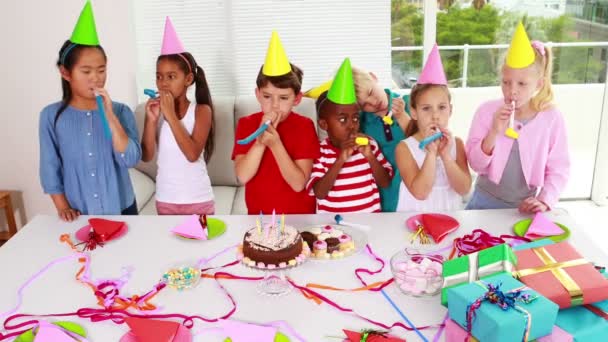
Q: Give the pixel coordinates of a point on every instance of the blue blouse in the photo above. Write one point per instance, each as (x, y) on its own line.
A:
(76, 159)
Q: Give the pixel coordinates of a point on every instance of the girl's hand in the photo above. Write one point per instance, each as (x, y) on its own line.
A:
(398, 107)
(270, 137)
(167, 104)
(501, 118)
(366, 150)
(153, 110)
(432, 147)
(445, 143)
(68, 214)
(107, 101)
(532, 205)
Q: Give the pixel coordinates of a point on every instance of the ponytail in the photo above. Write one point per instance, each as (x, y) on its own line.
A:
(203, 96)
(544, 63)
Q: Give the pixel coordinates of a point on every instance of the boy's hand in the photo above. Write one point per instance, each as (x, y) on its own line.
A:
(366, 150)
(270, 138)
(532, 205)
(68, 214)
(347, 148)
(398, 107)
(274, 118)
(153, 110)
(445, 143)
(501, 118)
(167, 104)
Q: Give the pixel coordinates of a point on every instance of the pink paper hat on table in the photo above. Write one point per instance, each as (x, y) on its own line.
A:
(432, 72)
(191, 228)
(171, 43)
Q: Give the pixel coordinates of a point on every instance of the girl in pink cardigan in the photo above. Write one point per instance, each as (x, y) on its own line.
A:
(530, 171)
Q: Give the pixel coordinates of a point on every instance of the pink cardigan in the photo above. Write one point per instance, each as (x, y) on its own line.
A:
(543, 149)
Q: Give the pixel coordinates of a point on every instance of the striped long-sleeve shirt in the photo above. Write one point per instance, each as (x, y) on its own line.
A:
(355, 189)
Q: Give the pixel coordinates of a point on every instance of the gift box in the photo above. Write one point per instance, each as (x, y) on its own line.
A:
(588, 323)
(501, 309)
(560, 273)
(557, 335)
(455, 333)
(476, 266)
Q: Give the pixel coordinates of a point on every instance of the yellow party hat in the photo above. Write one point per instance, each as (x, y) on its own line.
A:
(521, 53)
(276, 63)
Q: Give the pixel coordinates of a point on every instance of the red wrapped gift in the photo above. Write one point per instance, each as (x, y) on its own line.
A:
(561, 274)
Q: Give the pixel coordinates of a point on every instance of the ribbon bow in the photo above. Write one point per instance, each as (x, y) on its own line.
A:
(505, 300)
(539, 46)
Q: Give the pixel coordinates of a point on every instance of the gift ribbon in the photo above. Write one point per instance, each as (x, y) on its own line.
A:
(505, 300)
(475, 271)
(479, 240)
(557, 268)
(601, 313)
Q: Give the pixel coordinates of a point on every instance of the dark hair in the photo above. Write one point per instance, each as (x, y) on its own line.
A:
(68, 56)
(292, 80)
(319, 103)
(417, 90)
(187, 64)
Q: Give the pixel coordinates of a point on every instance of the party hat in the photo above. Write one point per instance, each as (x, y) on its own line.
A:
(171, 43)
(276, 63)
(342, 90)
(433, 73)
(521, 53)
(191, 228)
(153, 330)
(318, 90)
(85, 32)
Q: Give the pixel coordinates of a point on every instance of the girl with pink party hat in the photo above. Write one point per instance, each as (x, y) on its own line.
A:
(184, 135)
(518, 144)
(435, 173)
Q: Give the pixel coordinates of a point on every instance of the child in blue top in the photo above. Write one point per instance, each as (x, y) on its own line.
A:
(84, 170)
(384, 118)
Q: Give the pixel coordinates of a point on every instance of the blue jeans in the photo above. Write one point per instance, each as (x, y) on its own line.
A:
(482, 200)
(131, 210)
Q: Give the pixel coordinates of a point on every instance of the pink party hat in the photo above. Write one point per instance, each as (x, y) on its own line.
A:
(191, 228)
(541, 226)
(171, 43)
(432, 73)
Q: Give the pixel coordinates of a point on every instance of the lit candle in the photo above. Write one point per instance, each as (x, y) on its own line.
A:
(277, 229)
(283, 223)
(258, 225)
(274, 218)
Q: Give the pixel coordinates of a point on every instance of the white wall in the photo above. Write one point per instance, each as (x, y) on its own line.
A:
(32, 33)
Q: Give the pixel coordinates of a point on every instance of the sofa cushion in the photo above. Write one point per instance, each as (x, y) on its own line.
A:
(224, 198)
(149, 208)
(143, 187)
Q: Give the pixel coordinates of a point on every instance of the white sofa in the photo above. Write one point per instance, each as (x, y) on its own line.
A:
(229, 194)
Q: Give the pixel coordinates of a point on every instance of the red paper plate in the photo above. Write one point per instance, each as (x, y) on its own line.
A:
(82, 234)
(445, 225)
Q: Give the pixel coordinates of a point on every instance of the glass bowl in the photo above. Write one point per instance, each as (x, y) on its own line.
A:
(417, 274)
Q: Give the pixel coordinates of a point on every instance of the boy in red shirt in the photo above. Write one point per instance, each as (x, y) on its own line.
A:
(276, 166)
(346, 177)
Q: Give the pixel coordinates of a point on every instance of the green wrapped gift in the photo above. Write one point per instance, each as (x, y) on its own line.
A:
(476, 266)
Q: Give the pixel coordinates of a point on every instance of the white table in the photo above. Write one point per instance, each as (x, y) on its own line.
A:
(151, 249)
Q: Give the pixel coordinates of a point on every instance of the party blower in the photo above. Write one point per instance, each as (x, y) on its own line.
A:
(510, 132)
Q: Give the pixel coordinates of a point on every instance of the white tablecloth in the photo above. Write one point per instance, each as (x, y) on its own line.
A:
(151, 249)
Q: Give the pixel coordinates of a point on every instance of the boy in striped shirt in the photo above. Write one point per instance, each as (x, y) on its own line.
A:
(351, 167)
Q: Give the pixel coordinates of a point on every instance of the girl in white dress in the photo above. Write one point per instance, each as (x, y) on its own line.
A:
(434, 178)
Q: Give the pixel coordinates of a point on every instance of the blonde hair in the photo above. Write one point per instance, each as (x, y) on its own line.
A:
(363, 80)
(544, 64)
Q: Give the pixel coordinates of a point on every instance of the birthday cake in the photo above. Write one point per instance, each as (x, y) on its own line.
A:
(328, 242)
(273, 247)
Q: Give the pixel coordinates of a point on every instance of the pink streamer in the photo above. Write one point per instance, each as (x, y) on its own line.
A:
(479, 239)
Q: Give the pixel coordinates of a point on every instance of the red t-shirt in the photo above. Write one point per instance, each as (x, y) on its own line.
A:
(267, 190)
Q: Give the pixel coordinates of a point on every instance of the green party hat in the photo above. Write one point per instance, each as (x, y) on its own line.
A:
(85, 32)
(342, 90)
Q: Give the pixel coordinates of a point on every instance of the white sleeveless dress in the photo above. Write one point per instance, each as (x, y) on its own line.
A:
(442, 196)
(179, 181)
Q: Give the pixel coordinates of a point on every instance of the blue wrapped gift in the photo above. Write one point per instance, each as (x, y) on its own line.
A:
(533, 244)
(519, 314)
(588, 323)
